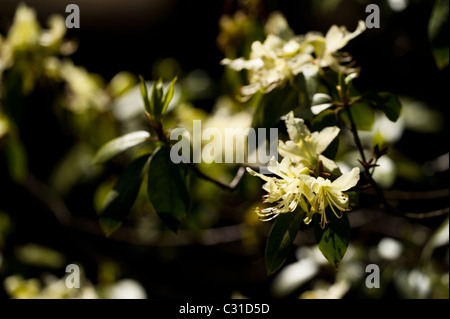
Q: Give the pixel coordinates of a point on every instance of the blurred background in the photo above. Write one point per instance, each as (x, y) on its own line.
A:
(64, 93)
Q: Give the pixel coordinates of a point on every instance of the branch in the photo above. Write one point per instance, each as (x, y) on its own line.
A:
(49, 198)
(364, 163)
(434, 213)
(230, 187)
(417, 195)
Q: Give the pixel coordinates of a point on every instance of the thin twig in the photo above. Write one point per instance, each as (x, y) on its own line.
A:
(49, 198)
(230, 187)
(434, 213)
(364, 161)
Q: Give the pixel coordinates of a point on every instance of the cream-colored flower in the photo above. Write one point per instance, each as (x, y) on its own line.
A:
(271, 64)
(275, 61)
(283, 55)
(85, 89)
(327, 48)
(288, 191)
(25, 30)
(305, 147)
(330, 194)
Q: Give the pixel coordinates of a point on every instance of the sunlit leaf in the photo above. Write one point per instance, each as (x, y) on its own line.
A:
(280, 239)
(438, 33)
(144, 94)
(334, 238)
(121, 83)
(119, 145)
(168, 95)
(439, 238)
(72, 168)
(39, 256)
(168, 188)
(122, 197)
(156, 102)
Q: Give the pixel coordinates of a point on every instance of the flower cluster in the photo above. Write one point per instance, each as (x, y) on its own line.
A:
(299, 180)
(284, 55)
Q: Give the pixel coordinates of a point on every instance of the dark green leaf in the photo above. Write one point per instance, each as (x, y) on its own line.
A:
(391, 107)
(386, 102)
(280, 239)
(168, 188)
(273, 105)
(323, 120)
(353, 198)
(334, 238)
(438, 33)
(122, 197)
(119, 145)
(363, 116)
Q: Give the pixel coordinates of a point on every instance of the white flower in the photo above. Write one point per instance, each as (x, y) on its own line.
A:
(288, 191)
(25, 30)
(271, 64)
(326, 48)
(305, 147)
(283, 55)
(330, 194)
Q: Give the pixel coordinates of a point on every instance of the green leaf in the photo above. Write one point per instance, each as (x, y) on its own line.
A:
(280, 239)
(273, 105)
(362, 114)
(144, 94)
(391, 107)
(353, 198)
(438, 33)
(121, 198)
(334, 238)
(168, 95)
(168, 188)
(156, 99)
(325, 119)
(119, 145)
(386, 102)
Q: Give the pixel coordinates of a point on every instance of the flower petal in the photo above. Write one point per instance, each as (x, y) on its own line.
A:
(253, 173)
(296, 127)
(240, 64)
(337, 37)
(321, 140)
(292, 150)
(347, 181)
(330, 166)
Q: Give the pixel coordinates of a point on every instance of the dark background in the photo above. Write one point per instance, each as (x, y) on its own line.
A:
(131, 35)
